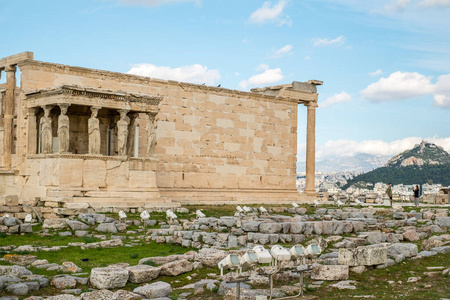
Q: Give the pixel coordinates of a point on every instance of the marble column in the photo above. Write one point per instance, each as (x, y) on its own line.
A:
(32, 132)
(122, 133)
(94, 132)
(9, 115)
(131, 133)
(63, 129)
(311, 149)
(46, 131)
(151, 134)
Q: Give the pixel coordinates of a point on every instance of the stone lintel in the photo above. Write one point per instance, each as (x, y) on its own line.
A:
(303, 92)
(91, 157)
(66, 95)
(144, 80)
(15, 59)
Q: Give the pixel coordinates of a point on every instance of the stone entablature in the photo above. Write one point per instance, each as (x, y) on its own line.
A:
(103, 75)
(72, 94)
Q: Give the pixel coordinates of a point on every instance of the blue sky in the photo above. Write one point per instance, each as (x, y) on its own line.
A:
(385, 64)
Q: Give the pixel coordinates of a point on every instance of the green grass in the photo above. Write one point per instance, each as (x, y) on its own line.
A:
(375, 282)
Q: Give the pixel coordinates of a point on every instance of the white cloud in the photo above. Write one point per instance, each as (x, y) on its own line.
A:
(268, 13)
(262, 67)
(327, 42)
(341, 148)
(267, 77)
(286, 50)
(376, 73)
(155, 2)
(441, 101)
(193, 73)
(398, 5)
(399, 86)
(442, 92)
(435, 3)
(337, 98)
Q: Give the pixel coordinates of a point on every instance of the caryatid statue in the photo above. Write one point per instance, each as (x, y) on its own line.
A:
(63, 129)
(151, 134)
(46, 131)
(94, 132)
(122, 133)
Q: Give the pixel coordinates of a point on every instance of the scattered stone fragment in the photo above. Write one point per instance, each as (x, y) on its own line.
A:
(63, 282)
(157, 289)
(345, 285)
(108, 278)
(326, 272)
(142, 273)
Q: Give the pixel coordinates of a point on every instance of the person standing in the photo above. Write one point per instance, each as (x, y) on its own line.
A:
(416, 195)
(389, 192)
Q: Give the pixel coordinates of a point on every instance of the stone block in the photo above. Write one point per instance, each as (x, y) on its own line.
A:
(60, 223)
(108, 278)
(411, 235)
(9, 200)
(443, 221)
(63, 282)
(19, 289)
(94, 173)
(143, 273)
(329, 272)
(21, 260)
(116, 174)
(251, 226)
(176, 268)
(270, 227)
(157, 289)
(71, 172)
(107, 227)
(363, 256)
(403, 249)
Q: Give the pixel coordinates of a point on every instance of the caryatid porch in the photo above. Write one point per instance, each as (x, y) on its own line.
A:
(84, 140)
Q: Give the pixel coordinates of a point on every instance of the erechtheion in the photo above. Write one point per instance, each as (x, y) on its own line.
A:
(78, 135)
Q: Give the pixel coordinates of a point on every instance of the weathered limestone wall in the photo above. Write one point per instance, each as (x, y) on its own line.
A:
(212, 143)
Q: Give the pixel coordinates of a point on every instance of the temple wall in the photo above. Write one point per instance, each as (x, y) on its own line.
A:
(209, 140)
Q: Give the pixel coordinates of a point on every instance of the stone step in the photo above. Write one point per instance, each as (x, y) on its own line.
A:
(143, 204)
(149, 193)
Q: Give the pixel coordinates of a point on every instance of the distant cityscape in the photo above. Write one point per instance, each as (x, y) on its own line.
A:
(331, 183)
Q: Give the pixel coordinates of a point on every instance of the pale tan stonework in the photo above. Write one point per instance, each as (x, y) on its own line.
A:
(207, 144)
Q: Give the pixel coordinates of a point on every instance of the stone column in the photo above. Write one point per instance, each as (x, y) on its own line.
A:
(9, 115)
(94, 132)
(151, 134)
(131, 133)
(32, 132)
(63, 129)
(122, 133)
(311, 149)
(46, 131)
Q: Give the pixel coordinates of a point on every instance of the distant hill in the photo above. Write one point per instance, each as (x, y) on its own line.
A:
(359, 163)
(424, 162)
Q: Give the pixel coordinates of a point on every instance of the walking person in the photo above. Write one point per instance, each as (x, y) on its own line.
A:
(416, 195)
(389, 192)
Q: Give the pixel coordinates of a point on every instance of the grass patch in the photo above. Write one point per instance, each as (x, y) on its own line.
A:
(376, 282)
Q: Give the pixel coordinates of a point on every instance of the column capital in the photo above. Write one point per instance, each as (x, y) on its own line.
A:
(31, 111)
(10, 68)
(311, 104)
(64, 105)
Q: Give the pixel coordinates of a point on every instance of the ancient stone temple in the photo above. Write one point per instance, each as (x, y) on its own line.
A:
(78, 135)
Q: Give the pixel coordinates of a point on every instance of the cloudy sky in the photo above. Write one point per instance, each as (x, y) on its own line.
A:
(385, 64)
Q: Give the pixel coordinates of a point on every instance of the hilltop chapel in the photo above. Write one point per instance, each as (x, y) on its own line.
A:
(79, 137)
